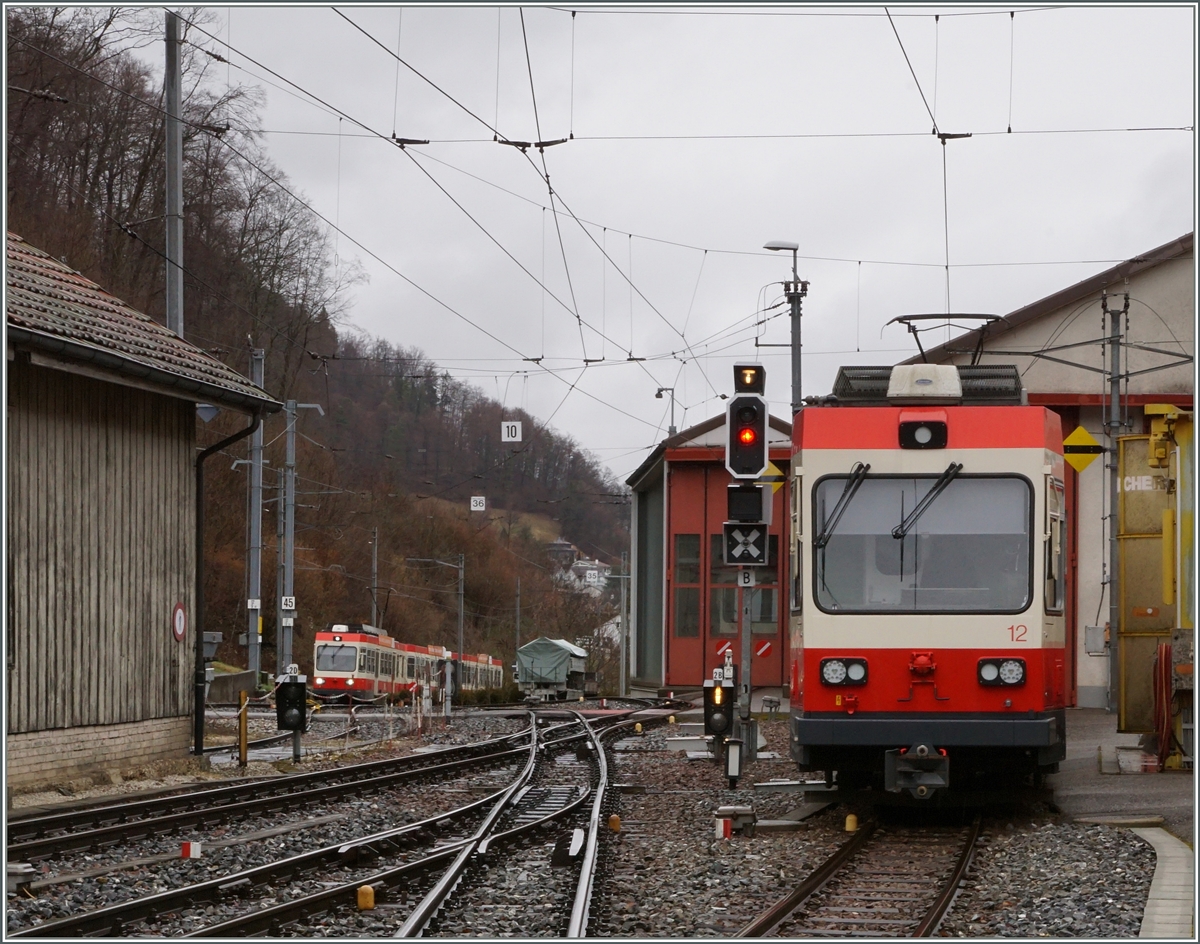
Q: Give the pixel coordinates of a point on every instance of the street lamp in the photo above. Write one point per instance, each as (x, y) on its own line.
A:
(658, 396)
(795, 291)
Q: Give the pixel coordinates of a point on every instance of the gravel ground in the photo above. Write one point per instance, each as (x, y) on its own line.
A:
(1035, 875)
(118, 874)
(664, 875)
(1048, 879)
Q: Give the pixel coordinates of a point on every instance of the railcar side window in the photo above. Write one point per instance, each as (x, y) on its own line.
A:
(336, 658)
(1055, 546)
(970, 551)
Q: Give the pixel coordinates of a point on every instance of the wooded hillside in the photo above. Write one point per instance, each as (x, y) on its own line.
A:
(402, 444)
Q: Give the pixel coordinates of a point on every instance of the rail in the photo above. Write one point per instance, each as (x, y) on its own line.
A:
(858, 913)
(33, 836)
(114, 920)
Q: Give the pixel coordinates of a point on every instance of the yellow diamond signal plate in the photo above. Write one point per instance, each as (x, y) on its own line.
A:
(772, 477)
(1081, 449)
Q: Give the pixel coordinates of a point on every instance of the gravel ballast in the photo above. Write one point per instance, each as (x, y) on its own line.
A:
(664, 874)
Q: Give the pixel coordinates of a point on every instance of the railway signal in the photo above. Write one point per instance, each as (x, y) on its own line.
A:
(746, 423)
(291, 703)
(718, 708)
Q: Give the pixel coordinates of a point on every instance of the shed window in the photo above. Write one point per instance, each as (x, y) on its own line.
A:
(722, 611)
(718, 571)
(687, 558)
(687, 611)
(764, 618)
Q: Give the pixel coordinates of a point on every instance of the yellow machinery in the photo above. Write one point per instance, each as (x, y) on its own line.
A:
(1156, 520)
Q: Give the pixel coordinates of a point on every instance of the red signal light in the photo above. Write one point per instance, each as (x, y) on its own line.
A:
(747, 436)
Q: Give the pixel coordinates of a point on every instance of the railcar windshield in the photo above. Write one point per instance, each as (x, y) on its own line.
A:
(336, 658)
(969, 551)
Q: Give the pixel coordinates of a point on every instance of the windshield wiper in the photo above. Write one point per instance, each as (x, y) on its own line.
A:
(930, 497)
(857, 474)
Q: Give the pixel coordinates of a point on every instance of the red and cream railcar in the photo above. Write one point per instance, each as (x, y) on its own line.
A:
(364, 662)
(927, 633)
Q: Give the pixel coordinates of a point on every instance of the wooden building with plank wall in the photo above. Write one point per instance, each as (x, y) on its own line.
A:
(100, 524)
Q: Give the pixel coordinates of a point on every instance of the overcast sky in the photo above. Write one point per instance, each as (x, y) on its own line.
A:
(704, 134)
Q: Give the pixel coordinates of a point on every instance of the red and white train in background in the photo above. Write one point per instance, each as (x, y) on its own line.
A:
(365, 663)
(928, 531)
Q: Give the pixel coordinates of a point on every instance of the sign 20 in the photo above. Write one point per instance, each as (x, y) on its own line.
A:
(1017, 633)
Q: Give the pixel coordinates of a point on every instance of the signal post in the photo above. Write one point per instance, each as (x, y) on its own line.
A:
(749, 514)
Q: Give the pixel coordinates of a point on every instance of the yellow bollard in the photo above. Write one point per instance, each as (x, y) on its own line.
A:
(366, 898)
(851, 823)
(614, 823)
(671, 720)
(637, 728)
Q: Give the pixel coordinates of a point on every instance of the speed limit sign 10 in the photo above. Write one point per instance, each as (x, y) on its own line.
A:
(510, 431)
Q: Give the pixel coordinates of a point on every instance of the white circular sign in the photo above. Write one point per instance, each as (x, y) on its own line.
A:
(179, 622)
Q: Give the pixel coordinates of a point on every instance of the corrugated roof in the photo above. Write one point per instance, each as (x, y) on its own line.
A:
(52, 308)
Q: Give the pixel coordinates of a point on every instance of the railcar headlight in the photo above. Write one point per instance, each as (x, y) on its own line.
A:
(844, 671)
(319, 681)
(1001, 672)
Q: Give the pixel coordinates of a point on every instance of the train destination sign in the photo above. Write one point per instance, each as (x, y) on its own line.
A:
(1080, 449)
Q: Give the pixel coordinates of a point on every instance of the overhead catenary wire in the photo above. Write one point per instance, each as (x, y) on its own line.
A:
(546, 174)
(646, 10)
(445, 305)
(379, 135)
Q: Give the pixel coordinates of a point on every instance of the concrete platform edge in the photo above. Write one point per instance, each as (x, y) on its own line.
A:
(1170, 906)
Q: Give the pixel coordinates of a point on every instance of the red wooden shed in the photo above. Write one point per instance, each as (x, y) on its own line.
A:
(685, 603)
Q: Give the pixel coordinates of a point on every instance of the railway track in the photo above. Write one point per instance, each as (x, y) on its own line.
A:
(887, 881)
(34, 838)
(398, 862)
